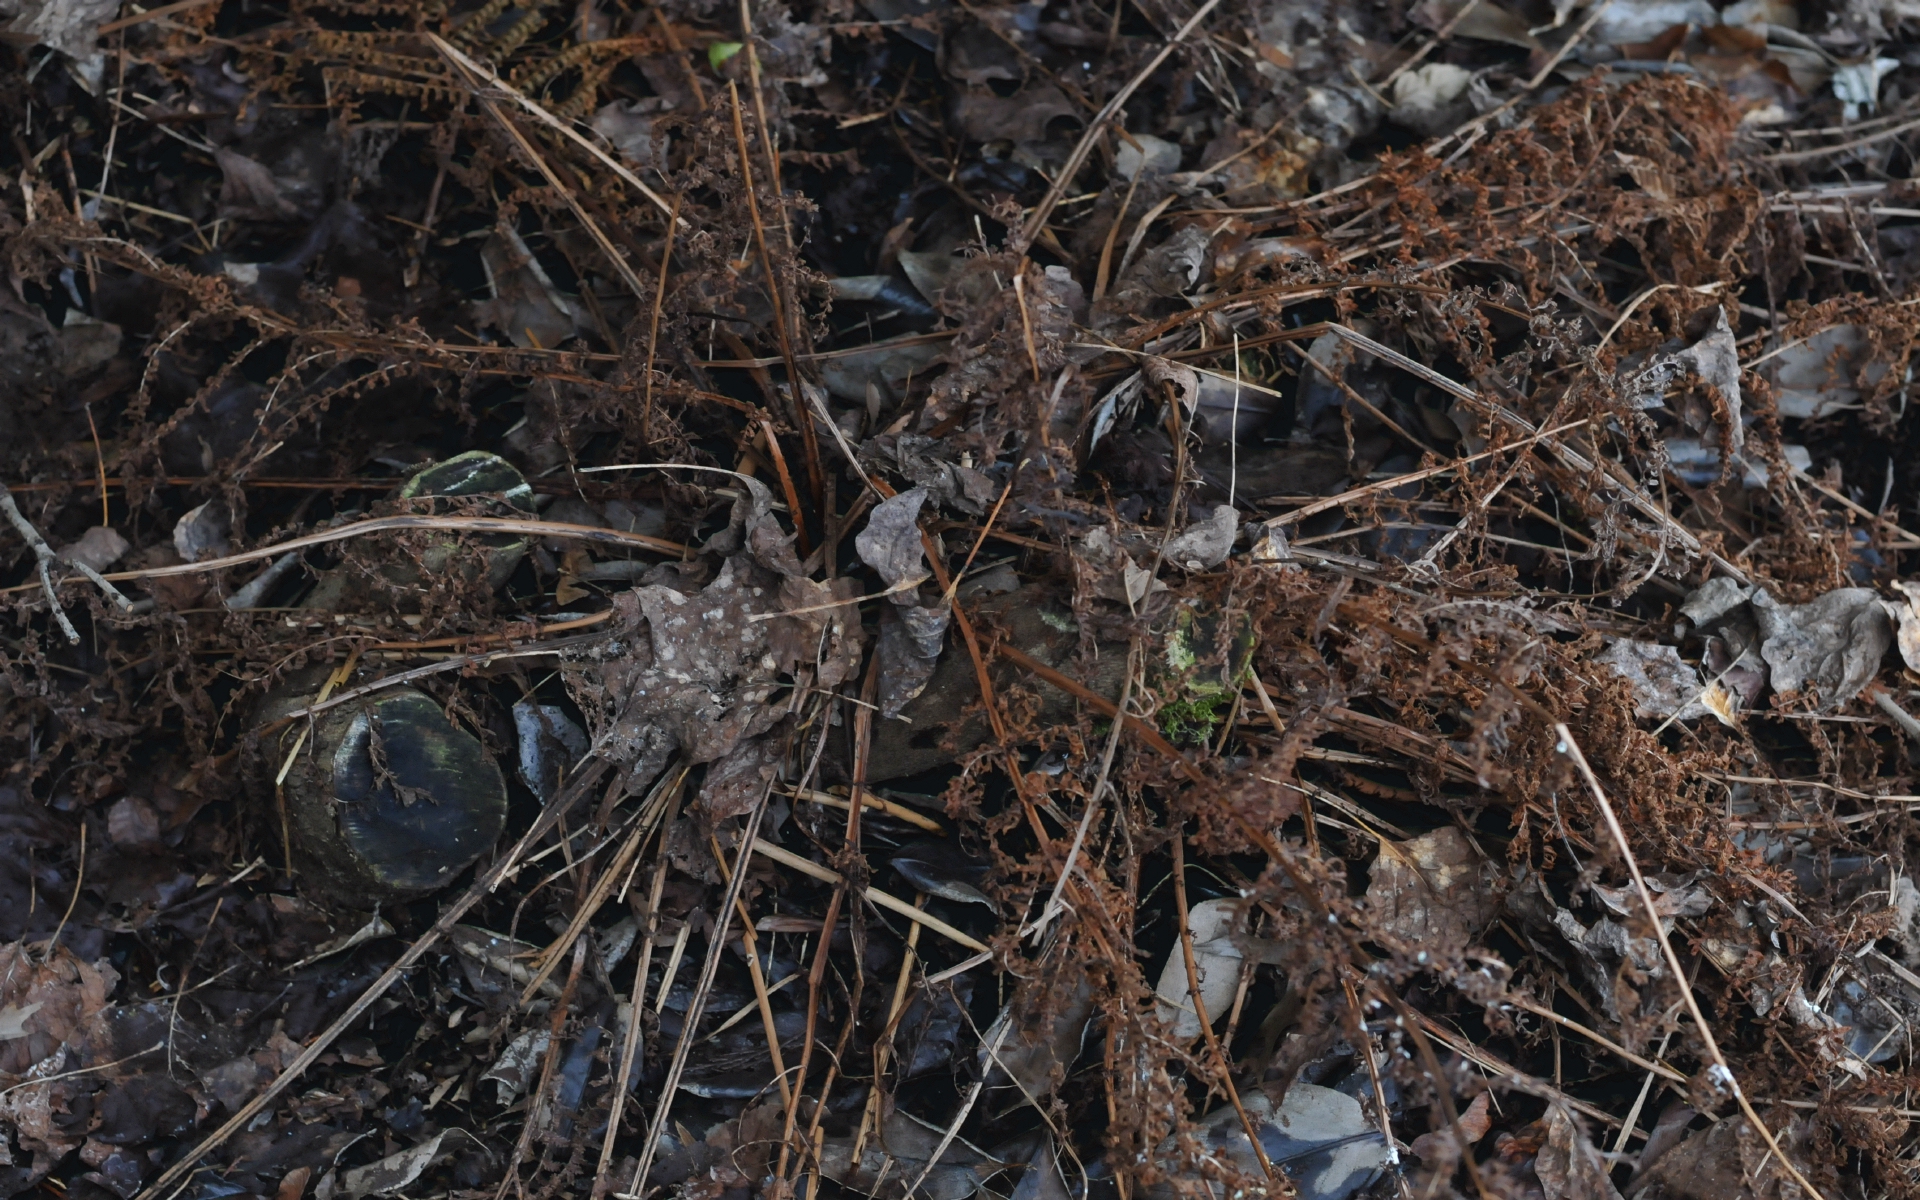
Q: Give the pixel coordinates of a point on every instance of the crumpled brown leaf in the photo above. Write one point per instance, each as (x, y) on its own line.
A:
(1834, 643)
(1665, 686)
(1435, 889)
(65, 994)
(1568, 1166)
(911, 634)
(692, 672)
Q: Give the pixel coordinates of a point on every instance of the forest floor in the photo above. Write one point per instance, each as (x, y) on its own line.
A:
(921, 598)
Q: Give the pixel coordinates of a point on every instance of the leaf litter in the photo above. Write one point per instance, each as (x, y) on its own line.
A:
(1220, 473)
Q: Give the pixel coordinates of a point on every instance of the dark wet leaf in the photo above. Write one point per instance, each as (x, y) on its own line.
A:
(931, 1027)
(1026, 116)
(550, 745)
(142, 1108)
(940, 868)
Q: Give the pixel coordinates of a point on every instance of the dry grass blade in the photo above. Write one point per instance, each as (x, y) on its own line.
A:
(697, 1004)
(539, 161)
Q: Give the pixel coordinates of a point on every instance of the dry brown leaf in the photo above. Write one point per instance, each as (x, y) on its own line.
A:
(1435, 889)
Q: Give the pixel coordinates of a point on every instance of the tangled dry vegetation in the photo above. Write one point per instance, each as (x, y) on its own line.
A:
(925, 598)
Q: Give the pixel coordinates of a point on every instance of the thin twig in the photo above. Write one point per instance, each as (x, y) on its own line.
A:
(653, 324)
(341, 533)
(43, 553)
(788, 858)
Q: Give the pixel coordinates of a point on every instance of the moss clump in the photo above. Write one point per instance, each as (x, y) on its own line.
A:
(1198, 698)
(1190, 720)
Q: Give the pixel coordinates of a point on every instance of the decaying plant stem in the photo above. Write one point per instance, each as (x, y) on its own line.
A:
(43, 553)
